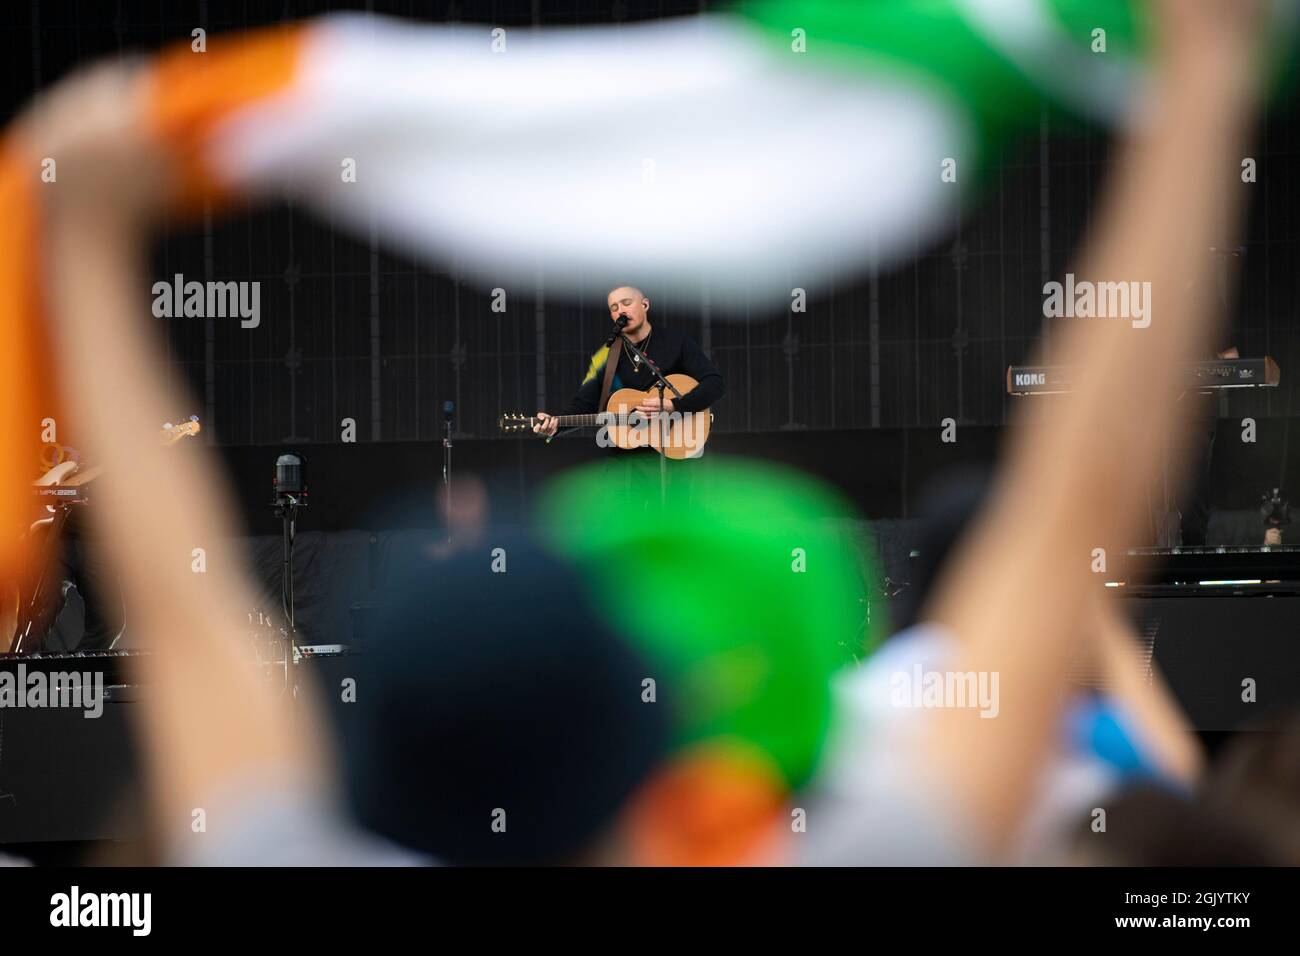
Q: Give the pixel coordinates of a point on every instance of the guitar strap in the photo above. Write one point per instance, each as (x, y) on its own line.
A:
(611, 366)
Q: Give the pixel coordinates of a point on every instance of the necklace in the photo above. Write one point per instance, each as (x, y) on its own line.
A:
(644, 344)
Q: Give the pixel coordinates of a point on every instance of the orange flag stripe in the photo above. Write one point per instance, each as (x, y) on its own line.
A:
(26, 368)
(193, 92)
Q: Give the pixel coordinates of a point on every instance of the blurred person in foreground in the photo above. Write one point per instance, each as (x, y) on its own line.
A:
(1018, 599)
(260, 770)
(1120, 724)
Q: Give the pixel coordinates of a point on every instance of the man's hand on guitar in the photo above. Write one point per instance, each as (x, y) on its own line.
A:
(651, 405)
(546, 424)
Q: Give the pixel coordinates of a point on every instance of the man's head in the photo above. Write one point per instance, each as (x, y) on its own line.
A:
(630, 301)
(470, 718)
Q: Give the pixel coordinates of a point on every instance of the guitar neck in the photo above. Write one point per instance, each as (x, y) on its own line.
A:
(595, 420)
(624, 399)
(576, 421)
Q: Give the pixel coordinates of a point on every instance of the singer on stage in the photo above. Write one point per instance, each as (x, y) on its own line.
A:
(672, 351)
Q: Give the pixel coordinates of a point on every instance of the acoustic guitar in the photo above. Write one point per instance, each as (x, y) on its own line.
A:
(676, 435)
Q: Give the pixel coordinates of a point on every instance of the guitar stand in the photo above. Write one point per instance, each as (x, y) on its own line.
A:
(31, 609)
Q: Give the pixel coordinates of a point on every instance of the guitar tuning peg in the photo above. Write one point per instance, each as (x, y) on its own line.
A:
(194, 418)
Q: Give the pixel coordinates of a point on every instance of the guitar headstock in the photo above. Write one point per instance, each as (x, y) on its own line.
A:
(515, 422)
(174, 433)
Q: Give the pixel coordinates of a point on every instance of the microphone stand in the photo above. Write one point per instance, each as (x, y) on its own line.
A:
(286, 509)
(661, 384)
(446, 468)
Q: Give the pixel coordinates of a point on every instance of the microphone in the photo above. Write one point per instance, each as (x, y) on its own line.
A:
(619, 325)
(290, 477)
(447, 408)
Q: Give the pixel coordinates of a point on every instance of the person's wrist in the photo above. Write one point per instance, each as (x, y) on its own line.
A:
(1227, 76)
(1203, 29)
(1215, 57)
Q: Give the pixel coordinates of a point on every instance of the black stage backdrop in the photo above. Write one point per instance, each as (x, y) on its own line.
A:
(856, 388)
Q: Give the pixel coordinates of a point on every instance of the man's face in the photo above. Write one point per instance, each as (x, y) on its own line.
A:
(629, 302)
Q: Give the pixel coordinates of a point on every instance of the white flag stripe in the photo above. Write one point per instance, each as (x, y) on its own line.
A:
(667, 150)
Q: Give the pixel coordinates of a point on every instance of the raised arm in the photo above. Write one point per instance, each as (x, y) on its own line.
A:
(1075, 479)
(1142, 690)
(209, 723)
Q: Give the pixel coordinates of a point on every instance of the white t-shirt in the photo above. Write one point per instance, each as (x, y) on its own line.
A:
(875, 803)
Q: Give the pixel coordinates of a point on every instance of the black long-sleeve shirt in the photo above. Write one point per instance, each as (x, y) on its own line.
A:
(675, 353)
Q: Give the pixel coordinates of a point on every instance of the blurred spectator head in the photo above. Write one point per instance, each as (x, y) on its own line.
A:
(1152, 826)
(498, 720)
(1256, 778)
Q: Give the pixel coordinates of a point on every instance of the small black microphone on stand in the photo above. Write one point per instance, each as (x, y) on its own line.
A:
(290, 479)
